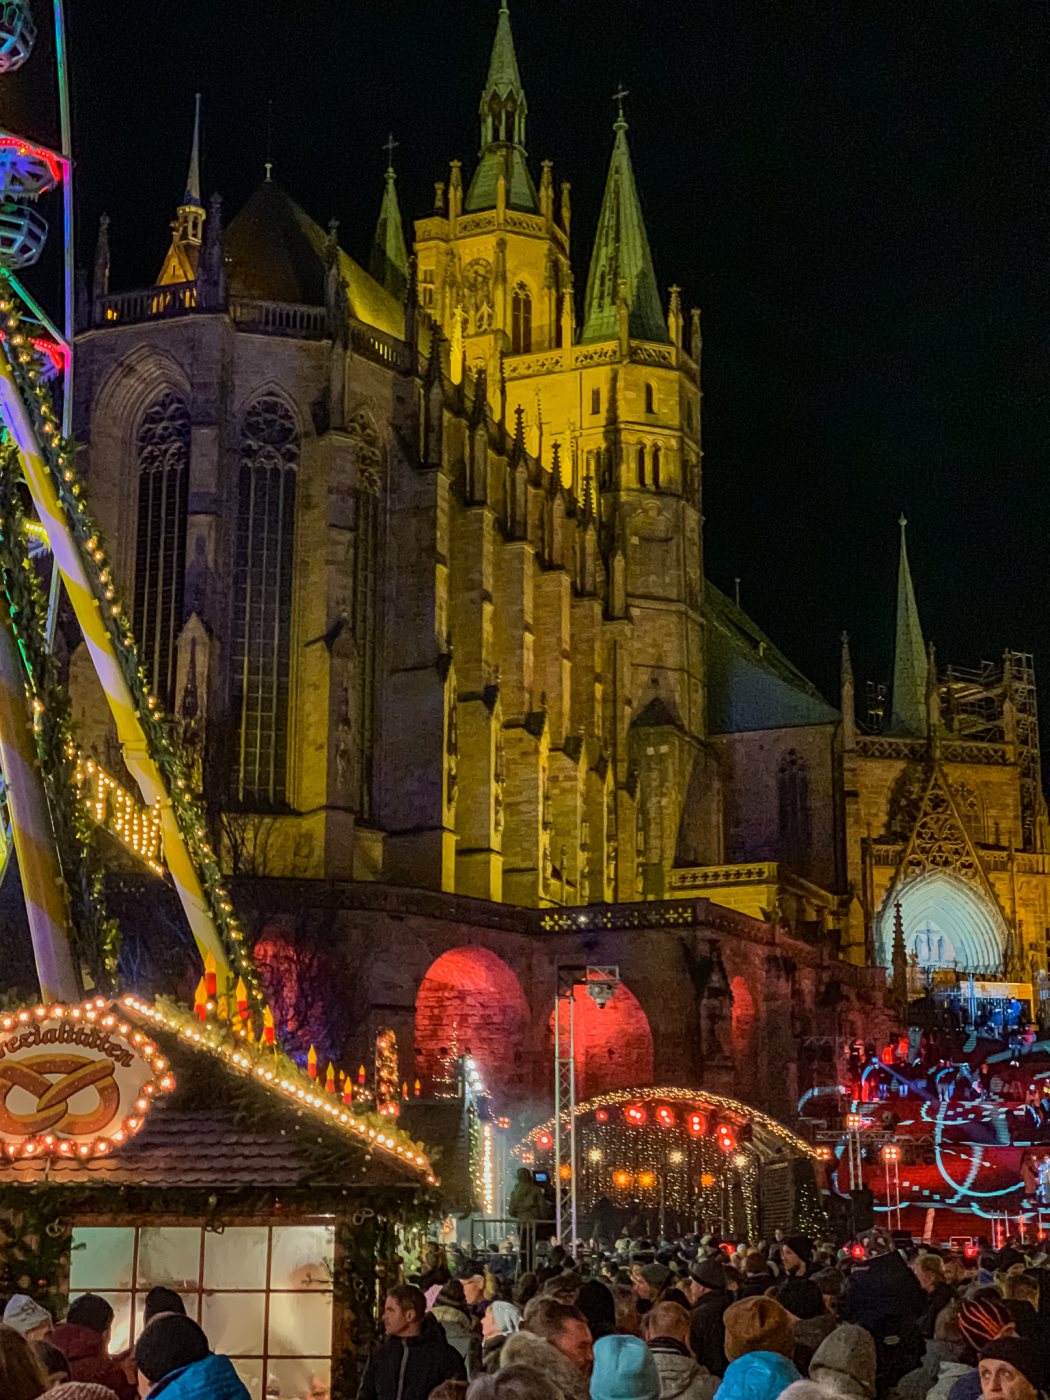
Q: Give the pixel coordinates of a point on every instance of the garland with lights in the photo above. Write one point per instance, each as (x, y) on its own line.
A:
(95, 935)
(59, 455)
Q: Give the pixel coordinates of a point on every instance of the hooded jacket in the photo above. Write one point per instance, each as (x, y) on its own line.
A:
(211, 1379)
(88, 1359)
(949, 1373)
(409, 1368)
(461, 1332)
(883, 1296)
(526, 1349)
(707, 1331)
(844, 1363)
(681, 1378)
(918, 1383)
(757, 1375)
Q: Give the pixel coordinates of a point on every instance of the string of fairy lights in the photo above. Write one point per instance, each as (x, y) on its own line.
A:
(60, 460)
(110, 805)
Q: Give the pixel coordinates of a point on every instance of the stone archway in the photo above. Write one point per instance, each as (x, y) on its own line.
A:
(471, 1003)
(948, 923)
(614, 1043)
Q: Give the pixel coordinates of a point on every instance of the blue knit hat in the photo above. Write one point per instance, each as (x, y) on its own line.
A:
(624, 1370)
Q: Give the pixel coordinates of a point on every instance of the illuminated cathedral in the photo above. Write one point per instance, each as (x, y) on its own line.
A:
(415, 560)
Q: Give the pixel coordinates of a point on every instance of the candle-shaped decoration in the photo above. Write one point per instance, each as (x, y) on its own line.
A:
(361, 1074)
(268, 1026)
(348, 1092)
(311, 1062)
(404, 1088)
(242, 999)
(329, 1082)
(419, 1088)
(211, 977)
(200, 1002)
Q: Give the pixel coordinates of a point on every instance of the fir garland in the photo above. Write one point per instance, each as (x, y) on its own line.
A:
(94, 934)
(59, 455)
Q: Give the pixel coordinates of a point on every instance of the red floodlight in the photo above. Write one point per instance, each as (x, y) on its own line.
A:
(726, 1137)
(697, 1124)
(544, 1141)
(665, 1117)
(857, 1251)
(970, 1251)
(635, 1114)
(601, 1115)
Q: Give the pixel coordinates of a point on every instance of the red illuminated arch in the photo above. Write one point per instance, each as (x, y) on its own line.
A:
(471, 1003)
(614, 1043)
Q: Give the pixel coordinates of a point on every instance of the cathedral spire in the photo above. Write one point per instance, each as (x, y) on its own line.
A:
(621, 258)
(187, 230)
(910, 663)
(192, 197)
(503, 111)
(389, 261)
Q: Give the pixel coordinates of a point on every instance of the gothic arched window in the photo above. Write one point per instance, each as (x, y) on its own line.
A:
(163, 447)
(656, 466)
(650, 398)
(641, 464)
(794, 813)
(262, 603)
(521, 320)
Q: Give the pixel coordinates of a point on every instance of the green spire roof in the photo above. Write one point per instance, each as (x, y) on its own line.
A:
(389, 261)
(621, 253)
(910, 664)
(503, 111)
(192, 195)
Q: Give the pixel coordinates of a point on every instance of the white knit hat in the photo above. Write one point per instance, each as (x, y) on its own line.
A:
(23, 1314)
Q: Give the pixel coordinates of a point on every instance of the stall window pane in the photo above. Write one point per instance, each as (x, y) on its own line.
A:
(303, 1256)
(102, 1258)
(250, 1370)
(171, 1256)
(192, 1302)
(234, 1322)
(309, 1379)
(300, 1324)
(236, 1258)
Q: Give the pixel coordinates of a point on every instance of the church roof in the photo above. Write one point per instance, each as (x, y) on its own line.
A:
(521, 192)
(502, 92)
(910, 664)
(503, 75)
(276, 252)
(621, 254)
(750, 683)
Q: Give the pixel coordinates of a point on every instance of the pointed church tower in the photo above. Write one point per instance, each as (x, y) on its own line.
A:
(621, 264)
(503, 112)
(910, 663)
(389, 261)
(187, 232)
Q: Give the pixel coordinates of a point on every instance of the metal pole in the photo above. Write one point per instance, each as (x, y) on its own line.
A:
(572, 1118)
(33, 833)
(557, 1110)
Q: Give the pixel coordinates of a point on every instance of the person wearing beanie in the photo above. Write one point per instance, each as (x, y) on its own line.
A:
(649, 1283)
(173, 1355)
(982, 1321)
(757, 1276)
(596, 1302)
(28, 1317)
(1012, 1368)
(757, 1375)
(624, 1370)
(945, 1350)
(844, 1363)
(83, 1339)
(709, 1297)
(162, 1300)
(796, 1255)
(811, 1321)
(501, 1320)
(757, 1324)
(667, 1334)
(451, 1309)
(78, 1390)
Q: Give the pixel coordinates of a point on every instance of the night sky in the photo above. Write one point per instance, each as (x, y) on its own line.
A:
(855, 194)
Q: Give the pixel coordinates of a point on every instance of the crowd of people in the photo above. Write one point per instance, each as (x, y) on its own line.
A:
(704, 1319)
(72, 1361)
(793, 1319)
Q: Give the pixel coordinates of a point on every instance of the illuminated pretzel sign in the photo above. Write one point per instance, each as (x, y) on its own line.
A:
(75, 1081)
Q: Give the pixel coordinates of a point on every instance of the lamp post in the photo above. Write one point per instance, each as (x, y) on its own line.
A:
(600, 984)
(854, 1123)
(891, 1156)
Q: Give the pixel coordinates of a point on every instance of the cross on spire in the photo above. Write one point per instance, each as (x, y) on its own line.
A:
(390, 146)
(618, 97)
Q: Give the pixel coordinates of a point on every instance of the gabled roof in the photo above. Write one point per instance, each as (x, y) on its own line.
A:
(276, 252)
(621, 255)
(750, 683)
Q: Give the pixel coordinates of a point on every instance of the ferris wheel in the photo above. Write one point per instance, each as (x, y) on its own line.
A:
(64, 892)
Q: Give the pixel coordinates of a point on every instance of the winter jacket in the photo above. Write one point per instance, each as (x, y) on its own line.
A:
(883, 1296)
(707, 1333)
(808, 1333)
(949, 1373)
(681, 1378)
(491, 1351)
(526, 1349)
(461, 1332)
(918, 1383)
(757, 1375)
(409, 1368)
(936, 1301)
(211, 1379)
(88, 1359)
(967, 1387)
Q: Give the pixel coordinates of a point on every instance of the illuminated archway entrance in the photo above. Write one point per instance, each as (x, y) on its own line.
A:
(948, 923)
(471, 1003)
(614, 1043)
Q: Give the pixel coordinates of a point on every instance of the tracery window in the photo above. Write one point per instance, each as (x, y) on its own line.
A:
(521, 320)
(794, 811)
(163, 448)
(262, 605)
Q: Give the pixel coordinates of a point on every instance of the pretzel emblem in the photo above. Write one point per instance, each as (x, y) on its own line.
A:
(52, 1113)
